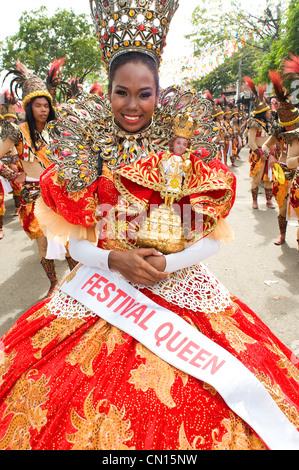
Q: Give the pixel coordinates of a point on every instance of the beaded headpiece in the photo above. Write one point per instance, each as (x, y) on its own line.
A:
(132, 25)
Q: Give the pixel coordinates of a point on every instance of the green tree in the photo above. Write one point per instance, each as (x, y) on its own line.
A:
(287, 43)
(264, 39)
(228, 73)
(214, 25)
(42, 38)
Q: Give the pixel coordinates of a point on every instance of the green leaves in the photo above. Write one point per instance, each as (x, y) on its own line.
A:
(41, 39)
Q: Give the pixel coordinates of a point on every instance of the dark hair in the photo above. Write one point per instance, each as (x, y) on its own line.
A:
(262, 117)
(31, 121)
(133, 57)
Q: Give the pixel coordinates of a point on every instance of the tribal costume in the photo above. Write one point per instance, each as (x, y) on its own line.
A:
(257, 125)
(285, 174)
(31, 146)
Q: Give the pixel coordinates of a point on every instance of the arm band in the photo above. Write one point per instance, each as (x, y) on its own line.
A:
(192, 255)
(89, 254)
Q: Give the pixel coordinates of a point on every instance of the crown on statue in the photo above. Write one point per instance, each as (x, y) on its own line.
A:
(132, 25)
(185, 125)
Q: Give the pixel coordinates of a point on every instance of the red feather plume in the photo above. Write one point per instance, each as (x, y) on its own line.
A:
(280, 92)
(261, 91)
(96, 89)
(56, 67)
(291, 66)
(249, 82)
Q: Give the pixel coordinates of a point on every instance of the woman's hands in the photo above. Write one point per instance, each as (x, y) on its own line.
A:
(144, 266)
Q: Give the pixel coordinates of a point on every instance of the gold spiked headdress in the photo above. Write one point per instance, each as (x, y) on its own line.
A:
(185, 125)
(132, 25)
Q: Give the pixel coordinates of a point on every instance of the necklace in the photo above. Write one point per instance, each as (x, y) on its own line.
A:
(123, 147)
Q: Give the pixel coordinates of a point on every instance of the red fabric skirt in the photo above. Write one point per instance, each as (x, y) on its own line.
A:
(83, 384)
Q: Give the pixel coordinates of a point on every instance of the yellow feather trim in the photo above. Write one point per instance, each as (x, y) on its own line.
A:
(222, 232)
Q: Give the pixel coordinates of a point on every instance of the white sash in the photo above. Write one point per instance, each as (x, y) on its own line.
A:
(181, 345)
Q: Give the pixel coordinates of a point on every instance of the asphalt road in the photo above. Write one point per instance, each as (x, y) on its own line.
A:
(261, 274)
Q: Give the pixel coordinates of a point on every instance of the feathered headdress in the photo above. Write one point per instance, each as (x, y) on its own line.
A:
(54, 80)
(28, 82)
(260, 104)
(75, 86)
(8, 101)
(217, 108)
(96, 89)
(287, 113)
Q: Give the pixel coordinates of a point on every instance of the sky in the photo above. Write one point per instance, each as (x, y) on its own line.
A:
(176, 43)
(177, 46)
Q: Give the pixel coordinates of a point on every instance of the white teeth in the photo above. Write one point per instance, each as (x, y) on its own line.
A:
(132, 118)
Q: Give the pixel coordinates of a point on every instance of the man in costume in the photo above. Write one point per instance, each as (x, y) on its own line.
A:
(30, 140)
(258, 130)
(229, 132)
(291, 69)
(12, 159)
(288, 118)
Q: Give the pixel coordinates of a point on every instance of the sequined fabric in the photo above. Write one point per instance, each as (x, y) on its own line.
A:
(71, 381)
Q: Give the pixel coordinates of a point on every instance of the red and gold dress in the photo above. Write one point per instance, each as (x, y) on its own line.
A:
(75, 382)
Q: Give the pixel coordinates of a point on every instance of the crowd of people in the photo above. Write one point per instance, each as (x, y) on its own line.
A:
(140, 348)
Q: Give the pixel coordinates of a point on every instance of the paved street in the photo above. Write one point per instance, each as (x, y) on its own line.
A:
(262, 275)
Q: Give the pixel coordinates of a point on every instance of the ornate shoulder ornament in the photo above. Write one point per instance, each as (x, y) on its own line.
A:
(256, 123)
(85, 130)
(277, 130)
(10, 130)
(290, 136)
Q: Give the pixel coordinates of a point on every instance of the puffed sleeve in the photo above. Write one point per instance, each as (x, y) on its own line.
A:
(62, 214)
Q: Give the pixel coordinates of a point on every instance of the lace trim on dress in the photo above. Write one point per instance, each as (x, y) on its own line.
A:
(195, 288)
(62, 305)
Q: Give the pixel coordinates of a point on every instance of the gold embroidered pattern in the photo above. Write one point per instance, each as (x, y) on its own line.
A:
(5, 362)
(184, 443)
(279, 397)
(25, 404)
(101, 428)
(238, 436)
(223, 322)
(89, 347)
(155, 374)
(58, 329)
(285, 363)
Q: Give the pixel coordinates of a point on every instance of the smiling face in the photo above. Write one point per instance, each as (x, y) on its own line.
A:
(133, 96)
